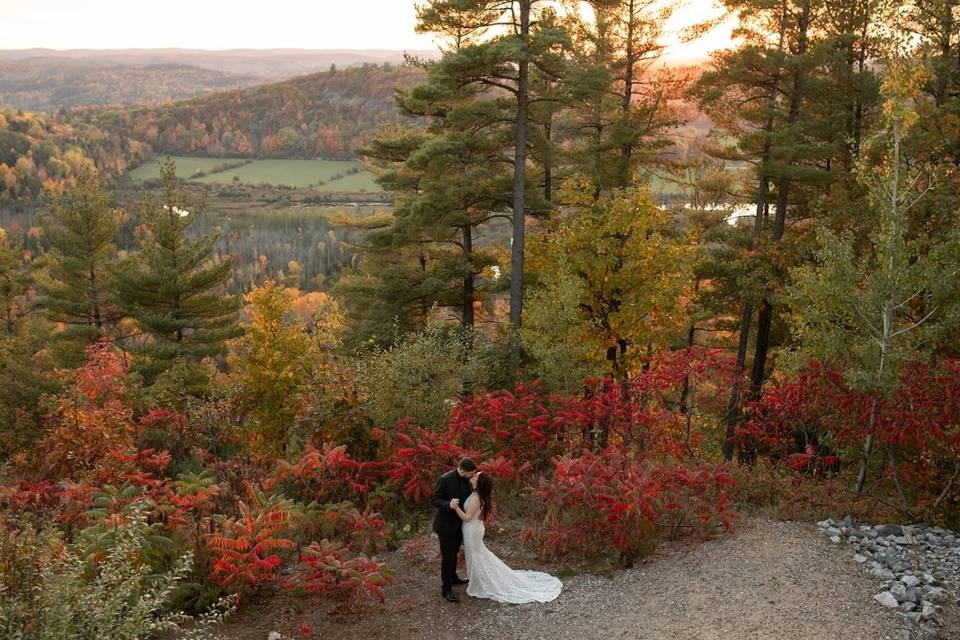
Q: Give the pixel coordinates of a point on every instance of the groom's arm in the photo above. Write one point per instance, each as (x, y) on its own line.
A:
(440, 499)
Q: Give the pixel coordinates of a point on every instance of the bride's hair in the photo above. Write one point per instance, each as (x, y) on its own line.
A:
(485, 493)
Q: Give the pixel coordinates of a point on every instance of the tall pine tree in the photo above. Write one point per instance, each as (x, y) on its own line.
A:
(80, 230)
(173, 287)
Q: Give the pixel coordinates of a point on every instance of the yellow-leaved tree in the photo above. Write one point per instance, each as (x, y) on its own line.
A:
(613, 280)
(273, 360)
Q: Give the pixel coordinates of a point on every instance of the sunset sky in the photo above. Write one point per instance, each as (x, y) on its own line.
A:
(219, 24)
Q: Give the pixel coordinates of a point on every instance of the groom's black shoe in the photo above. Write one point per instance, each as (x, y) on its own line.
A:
(460, 581)
(450, 596)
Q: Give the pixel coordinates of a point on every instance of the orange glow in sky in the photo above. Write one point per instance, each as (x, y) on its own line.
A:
(236, 24)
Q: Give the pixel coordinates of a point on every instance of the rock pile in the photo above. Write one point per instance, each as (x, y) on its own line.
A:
(918, 565)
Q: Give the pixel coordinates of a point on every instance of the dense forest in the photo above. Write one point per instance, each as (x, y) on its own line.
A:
(628, 370)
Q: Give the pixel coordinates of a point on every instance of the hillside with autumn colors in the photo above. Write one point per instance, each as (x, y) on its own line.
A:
(323, 115)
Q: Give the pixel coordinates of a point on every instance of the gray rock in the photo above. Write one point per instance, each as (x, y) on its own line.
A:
(849, 522)
(833, 531)
(835, 539)
(928, 611)
(887, 599)
(936, 595)
(910, 616)
(859, 558)
(908, 606)
(910, 581)
(890, 530)
(898, 591)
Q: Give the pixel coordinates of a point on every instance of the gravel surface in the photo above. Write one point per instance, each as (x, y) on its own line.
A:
(771, 580)
(919, 570)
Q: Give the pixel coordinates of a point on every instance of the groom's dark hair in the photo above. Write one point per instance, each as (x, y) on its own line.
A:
(467, 464)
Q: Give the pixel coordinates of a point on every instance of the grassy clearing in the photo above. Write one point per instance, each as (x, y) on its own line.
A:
(289, 172)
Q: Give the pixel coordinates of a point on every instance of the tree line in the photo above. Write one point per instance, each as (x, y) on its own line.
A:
(554, 118)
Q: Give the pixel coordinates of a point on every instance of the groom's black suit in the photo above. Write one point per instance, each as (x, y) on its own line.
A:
(447, 523)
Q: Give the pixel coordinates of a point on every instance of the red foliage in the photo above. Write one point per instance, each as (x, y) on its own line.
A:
(412, 458)
(598, 502)
(245, 551)
(331, 568)
(803, 419)
(92, 419)
(324, 474)
(522, 425)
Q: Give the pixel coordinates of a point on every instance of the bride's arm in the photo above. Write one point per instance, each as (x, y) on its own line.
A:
(471, 512)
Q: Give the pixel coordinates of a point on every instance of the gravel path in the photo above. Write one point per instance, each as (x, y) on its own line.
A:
(772, 580)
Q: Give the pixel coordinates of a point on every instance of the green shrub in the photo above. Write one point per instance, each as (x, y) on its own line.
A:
(72, 594)
(423, 373)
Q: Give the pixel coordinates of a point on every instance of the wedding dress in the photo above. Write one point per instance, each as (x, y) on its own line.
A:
(491, 578)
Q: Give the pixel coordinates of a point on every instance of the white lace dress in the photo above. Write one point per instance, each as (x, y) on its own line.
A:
(491, 578)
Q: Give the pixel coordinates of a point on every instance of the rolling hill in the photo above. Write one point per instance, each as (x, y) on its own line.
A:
(321, 115)
(50, 81)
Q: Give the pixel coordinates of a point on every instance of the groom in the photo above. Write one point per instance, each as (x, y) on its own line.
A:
(453, 488)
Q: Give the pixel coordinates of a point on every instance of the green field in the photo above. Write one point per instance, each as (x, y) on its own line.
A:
(290, 173)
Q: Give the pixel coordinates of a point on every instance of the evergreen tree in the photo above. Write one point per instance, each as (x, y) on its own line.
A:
(78, 286)
(873, 311)
(16, 279)
(526, 36)
(173, 287)
(621, 98)
(759, 96)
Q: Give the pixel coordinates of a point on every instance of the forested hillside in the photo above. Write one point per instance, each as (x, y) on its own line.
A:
(54, 84)
(325, 115)
(40, 153)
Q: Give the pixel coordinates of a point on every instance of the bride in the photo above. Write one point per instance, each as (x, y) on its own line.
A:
(488, 576)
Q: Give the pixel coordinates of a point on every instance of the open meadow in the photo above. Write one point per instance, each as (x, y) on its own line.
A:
(324, 175)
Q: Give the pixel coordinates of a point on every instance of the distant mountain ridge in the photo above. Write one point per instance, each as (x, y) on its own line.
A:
(51, 80)
(52, 85)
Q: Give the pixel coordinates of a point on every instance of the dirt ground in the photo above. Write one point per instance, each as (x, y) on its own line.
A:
(769, 580)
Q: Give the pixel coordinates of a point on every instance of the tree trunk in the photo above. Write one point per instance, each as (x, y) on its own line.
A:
(732, 416)
(765, 320)
(626, 151)
(468, 277)
(548, 163)
(520, 170)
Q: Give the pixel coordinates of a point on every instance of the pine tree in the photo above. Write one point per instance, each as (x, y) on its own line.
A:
(526, 36)
(16, 279)
(758, 96)
(78, 286)
(621, 97)
(173, 287)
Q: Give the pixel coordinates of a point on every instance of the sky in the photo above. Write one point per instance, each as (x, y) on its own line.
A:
(233, 24)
